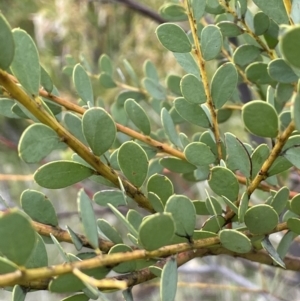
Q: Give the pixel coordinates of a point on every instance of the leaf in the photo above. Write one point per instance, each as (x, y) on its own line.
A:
(244, 203)
(188, 63)
(39, 256)
(169, 127)
(18, 238)
(214, 224)
(109, 231)
(224, 82)
(18, 293)
(230, 29)
(83, 84)
(75, 239)
(168, 282)
(105, 197)
(260, 118)
(105, 64)
(295, 204)
(60, 249)
(106, 81)
(177, 165)
(257, 72)
(60, 174)
(261, 219)
(46, 81)
(173, 12)
(235, 241)
(6, 106)
(192, 113)
(261, 23)
(36, 142)
(293, 224)
(99, 130)
(137, 115)
(280, 199)
(192, 89)
(150, 70)
(134, 218)
(88, 219)
(296, 111)
(7, 266)
(133, 162)
(266, 244)
(77, 297)
(154, 88)
(183, 213)
(156, 231)
(199, 154)
(237, 156)
(155, 202)
(38, 207)
(211, 42)
(213, 206)
(25, 65)
(173, 37)
(124, 95)
(222, 181)
(245, 54)
(285, 243)
(123, 220)
(173, 84)
(280, 71)
(7, 44)
(124, 267)
(74, 126)
(161, 186)
(230, 204)
(274, 9)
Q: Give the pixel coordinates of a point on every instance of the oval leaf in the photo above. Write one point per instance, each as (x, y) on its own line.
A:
(235, 241)
(211, 42)
(83, 84)
(199, 154)
(133, 162)
(99, 130)
(168, 282)
(192, 89)
(61, 174)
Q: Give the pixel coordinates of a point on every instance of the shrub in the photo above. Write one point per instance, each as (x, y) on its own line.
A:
(134, 156)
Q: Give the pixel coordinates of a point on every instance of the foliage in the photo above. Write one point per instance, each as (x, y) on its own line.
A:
(134, 147)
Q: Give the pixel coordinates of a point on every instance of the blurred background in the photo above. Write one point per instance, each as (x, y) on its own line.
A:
(81, 31)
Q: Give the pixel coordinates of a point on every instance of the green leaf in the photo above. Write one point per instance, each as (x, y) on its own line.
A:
(137, 115)
(244, 202)
(296, 111)
(74, 126)
(266, 244)
(211, 42)
(156, 231)
(36, 142)
(6, 108)
(222, 181)
(133, 162)
(169, 127)
(106, 81)
(235, 241)
(99, 130)
(257, 72)
(161, 186)
(223, 84)
(260, 118)
(88, 219)
(173, 12)
(280, 71)
(293, 224)
(237, 155)
(60, 249)
(155, 202)
(60, 174)
(134, 218)
(200, 234)
(109, 231)
(124, 267)
(258, 157)
(198, 9)
(7, 266)
(261, 23)
(295, 204)
(173, 84)
(177, 165)
(38, 207)
(25, 65)
(188, 63)
(123, 220)
(77, 297)
(124, 95)
(39, 256)
(18, 293)
(230, 204)
(105, 197)
(230, 29)
(150, 70)
(245, 54)
(280, 200)
(184, 214)
(173, 37)
(168, 281)
(154, 89)
(192, 89)
(7, 44)
(75, 239)
(18, 238)
(193, 113)
(213, 206)
(261, 219)
(199, 154)
(285, 243)
(214, 224)
(274, 9)
(83, 84)
(46, 81)
(105, 64)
